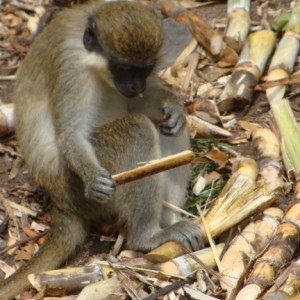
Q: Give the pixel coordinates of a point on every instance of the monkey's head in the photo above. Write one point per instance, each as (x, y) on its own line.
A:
(129, 37)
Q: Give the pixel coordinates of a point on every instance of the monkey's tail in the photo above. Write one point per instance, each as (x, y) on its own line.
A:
(67, 232)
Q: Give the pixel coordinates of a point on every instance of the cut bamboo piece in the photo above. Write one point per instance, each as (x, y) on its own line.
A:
(237, 94)
(280, 252)
(246, 246)
(238, 24)
(240, 198)
(281, 66)
(154, 167)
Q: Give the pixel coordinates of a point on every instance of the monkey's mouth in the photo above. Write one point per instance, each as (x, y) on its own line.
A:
(130, 90)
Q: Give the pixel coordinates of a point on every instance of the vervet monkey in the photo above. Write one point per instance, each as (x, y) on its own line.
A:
(88, 105)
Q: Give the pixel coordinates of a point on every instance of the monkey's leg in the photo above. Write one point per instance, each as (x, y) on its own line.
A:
(140, 202)
(67, 232)
(144, 232)
(176, 180)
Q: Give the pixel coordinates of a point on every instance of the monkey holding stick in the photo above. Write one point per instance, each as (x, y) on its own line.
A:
(83, 111)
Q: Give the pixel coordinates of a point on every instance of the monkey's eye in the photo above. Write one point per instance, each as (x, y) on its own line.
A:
(138, 69)
(90, 40)
(146, 70)
(121, 68)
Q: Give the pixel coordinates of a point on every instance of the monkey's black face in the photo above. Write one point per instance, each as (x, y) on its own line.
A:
(130, 80)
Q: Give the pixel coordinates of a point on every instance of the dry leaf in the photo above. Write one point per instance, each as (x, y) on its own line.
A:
(248, 126)
(212, 176)
(26, 252)
(218, 157)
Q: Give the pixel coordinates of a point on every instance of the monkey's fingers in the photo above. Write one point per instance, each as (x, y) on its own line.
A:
(173, 124)
(102, 187)
(100, 194)
(104, 174)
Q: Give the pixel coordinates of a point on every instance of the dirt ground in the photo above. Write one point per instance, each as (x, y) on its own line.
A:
(18, 186)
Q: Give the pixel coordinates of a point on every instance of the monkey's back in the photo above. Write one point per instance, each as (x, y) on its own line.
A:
(38, 82)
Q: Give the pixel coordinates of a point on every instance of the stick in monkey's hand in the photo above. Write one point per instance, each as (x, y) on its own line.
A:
(154, 167)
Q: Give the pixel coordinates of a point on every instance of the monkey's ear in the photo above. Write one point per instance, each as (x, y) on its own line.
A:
(90, 40)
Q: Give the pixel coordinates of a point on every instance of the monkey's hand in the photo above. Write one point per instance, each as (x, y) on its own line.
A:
(174, 120)
(101, 187)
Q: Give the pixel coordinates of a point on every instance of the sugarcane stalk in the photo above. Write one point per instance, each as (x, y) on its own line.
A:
(281, 66)
(237, 94)
(267, 149)
(185, 265)
(288, 283)
(240, 198)
(280, 252)
(246, 246)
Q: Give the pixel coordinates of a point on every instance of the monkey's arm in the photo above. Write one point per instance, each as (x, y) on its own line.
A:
(162, 106)
(80, 157)
(74, 113)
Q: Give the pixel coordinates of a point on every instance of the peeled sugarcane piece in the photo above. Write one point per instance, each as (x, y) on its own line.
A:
(181, 266)
(6, 118)
(279, 253)
(240, 198)
(70, 279)
(101, 290)
(205, 129)
(234, 195)
(297, 190)
(165, 163)
(211, 40)
(246, 246)
(237, 94)
(281, 66)
(238, 24)
(267, 148)
(185, 265)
